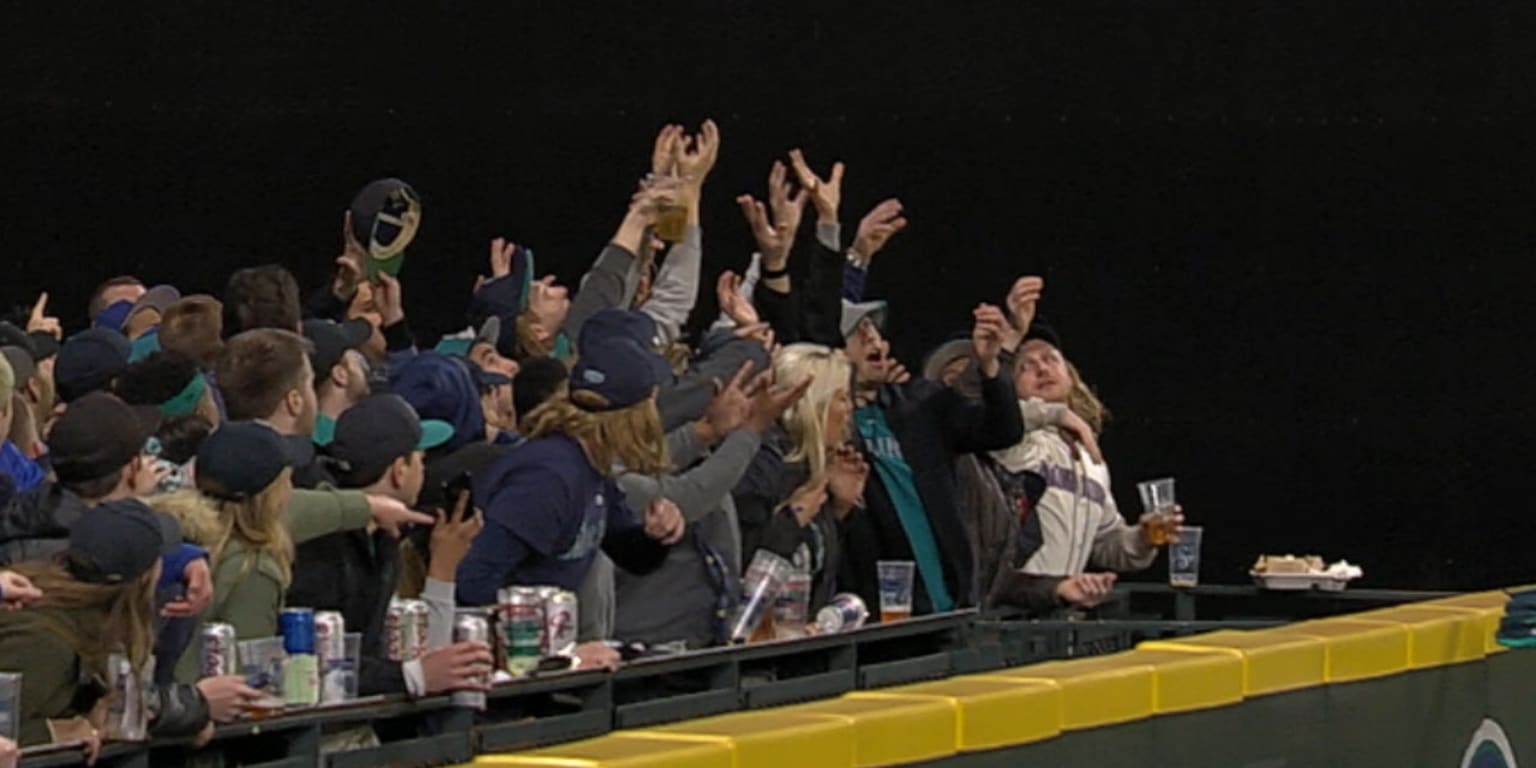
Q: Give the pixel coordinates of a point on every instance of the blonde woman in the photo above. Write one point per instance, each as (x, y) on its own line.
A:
(805, 479)
(550, 503)
(245, 473)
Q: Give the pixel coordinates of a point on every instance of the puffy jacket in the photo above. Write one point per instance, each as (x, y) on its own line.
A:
(35, 525)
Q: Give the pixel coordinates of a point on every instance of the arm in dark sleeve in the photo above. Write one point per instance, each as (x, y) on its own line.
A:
(626, 543)
(764, 528)
(183, 712)
(493, 555)
(780, 311)
(992, 424)
(722, 354)
(822, 301)
(376, 676)
(398, 337)
(853, 282)
(604, 286)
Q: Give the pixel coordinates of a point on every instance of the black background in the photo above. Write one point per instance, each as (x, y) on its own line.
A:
(1288, 242)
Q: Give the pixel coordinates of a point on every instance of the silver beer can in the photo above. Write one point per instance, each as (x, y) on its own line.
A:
(561, 622)
(219, 654)
(421, 621)
(471, 625)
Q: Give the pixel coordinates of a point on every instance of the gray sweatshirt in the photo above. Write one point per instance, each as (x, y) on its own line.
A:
(677, 601)
(676, 289)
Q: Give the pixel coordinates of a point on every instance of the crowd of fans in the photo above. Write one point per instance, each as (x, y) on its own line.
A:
(193, 459)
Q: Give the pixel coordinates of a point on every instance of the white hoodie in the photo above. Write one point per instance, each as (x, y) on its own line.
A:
(1079, 522)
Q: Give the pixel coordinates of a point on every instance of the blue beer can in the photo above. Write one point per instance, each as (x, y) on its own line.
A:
(298, 628)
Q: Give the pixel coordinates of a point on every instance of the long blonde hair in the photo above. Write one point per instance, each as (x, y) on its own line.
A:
(1083, 402)
(260, 523)
(630, 438)
(806, 419)
(127, 612)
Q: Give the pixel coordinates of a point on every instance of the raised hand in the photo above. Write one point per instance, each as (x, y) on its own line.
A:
(826, 194)
(877, 227)
(696, 155)
(987, 337)
(350, 265)
(1023, 298)
(773, 400)
(664, 153)
(733, 303)
(664, 521)
(731, 405)
(501, 257)
(388, 300)
(41, 322)
(452, 536)
(788, 209)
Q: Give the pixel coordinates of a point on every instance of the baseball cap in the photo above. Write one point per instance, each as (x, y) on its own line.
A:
(441, 387)
(618, 370)
(11, 335)
(331, 341)
(22, 366)
(145, 345)
(158, 298)
(1043, 332)
(385, 215)
(608, 323)
(461, 343)
(240, 459)
(944, 353)
(381, 428)
(119, 541)
(88, 361)
(97, 435)
(854, 313)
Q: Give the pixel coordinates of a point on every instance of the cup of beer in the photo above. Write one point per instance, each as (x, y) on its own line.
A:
(672, 217)
(895, 589)
(1157, 500)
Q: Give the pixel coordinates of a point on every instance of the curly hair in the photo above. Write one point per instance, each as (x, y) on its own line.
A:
(627, 439)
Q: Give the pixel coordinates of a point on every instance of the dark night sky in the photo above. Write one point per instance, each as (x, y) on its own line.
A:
(1289, 242)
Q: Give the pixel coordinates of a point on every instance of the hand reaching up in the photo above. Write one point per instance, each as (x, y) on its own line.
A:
(876, 229)
(773, 400)
(696, 155)
(42, 322)
(827, 194)
(987, 337)
(1023, 298)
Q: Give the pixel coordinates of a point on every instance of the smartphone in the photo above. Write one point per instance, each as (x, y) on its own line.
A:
(457, 487)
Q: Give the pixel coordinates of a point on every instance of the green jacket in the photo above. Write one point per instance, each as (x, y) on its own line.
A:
(42, 644)
(248, 586)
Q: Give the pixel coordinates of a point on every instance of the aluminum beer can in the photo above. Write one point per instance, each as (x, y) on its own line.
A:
(421, 623)
(297, 626)
(560, 623)
(845, 612)
(545, 592)
(398, 634)
(471, 625)
(523, 622)
(219, 656)
(330, 636)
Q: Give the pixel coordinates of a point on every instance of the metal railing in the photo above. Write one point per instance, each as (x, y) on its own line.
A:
(565, 706)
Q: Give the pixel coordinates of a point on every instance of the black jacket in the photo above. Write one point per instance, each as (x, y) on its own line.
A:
(35, 525)
(768, 484)
(933, 424)
(356, 573)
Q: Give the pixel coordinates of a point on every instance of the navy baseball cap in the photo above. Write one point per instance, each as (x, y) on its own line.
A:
(331, 340)
(119, 541)
(610, 323)
(380, 429)
(441, 387)
(89, 361)
(240, 459)
(618, 370)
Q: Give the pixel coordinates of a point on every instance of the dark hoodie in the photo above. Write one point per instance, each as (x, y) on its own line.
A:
(35, 525)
